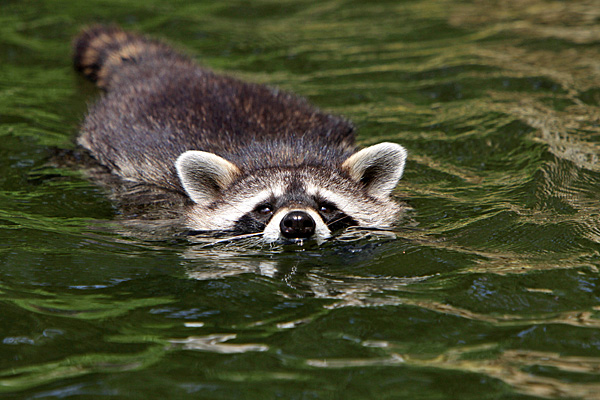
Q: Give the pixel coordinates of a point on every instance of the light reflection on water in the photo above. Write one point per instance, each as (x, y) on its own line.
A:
(511, 367)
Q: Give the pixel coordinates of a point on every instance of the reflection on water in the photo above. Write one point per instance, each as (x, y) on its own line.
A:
(216, 343)
(511, 367)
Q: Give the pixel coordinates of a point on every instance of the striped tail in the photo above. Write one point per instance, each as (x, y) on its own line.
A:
(99, 51)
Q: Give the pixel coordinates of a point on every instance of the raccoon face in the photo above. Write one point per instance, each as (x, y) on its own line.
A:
(292, 203)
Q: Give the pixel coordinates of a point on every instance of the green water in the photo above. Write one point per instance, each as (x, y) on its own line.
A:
(495, 295)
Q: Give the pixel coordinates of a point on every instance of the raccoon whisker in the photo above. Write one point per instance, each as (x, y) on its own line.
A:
(243, 236)
(238, 237)
(380, 229)
(354, 233)
(233, 239)
(337, 220)
(369, 229)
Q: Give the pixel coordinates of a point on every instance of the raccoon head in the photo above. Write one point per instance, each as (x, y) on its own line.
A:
(292, 203)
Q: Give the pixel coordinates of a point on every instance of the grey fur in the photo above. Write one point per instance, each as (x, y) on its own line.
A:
(228, 145)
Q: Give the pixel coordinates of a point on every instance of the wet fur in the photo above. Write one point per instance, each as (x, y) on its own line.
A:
(159, 104)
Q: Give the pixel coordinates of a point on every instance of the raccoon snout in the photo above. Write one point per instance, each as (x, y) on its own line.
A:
(297, 225)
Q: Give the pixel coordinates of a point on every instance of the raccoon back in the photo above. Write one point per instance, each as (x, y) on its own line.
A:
(159, 104)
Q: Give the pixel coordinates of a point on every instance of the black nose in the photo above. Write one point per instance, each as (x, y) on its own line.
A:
(297, 225)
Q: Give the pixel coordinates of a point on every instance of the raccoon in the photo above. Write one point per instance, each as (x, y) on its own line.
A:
(249, 158)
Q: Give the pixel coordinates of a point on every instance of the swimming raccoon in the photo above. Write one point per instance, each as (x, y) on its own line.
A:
(249, 158)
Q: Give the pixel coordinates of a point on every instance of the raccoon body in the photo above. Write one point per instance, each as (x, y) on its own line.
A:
(250, 158)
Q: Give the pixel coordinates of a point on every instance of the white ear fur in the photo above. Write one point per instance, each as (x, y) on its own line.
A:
(203, 175)
(379, 167)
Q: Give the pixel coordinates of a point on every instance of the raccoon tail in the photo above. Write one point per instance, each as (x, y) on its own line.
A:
(100, 50)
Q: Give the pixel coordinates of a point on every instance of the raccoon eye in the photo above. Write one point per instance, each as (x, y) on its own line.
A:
(326, 208)
(264, 209)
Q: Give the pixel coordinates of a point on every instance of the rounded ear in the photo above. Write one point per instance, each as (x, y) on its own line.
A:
(379, 167)
(203, 175)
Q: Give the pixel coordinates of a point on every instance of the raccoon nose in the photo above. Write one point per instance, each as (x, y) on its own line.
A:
(297, 225)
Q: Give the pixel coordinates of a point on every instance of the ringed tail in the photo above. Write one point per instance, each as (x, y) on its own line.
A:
(100, 50)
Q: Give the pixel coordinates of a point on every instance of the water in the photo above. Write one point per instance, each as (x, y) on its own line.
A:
(494, 295)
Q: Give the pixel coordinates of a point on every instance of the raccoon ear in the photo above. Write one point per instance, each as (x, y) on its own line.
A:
(379, 167)
(203, 175)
